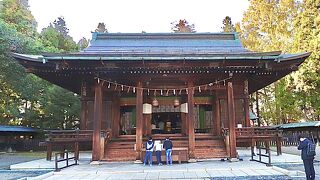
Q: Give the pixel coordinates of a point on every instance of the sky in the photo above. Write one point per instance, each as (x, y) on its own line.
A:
(135, 16)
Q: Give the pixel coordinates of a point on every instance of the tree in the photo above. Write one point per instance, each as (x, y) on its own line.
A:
(227, 25)
(60, 26)
(83, 43)
(182, 27)
(17, 14)
(268, 26)
(56, 38)
(101, 28)
(24, 97)
(307, 38)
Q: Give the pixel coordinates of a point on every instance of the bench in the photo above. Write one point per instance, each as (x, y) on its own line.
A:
(179, 155)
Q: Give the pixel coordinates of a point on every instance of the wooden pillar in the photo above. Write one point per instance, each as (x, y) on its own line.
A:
(183, 123)
(232, 120)
(97, 116)
(115, 126)
(83, 115)
(191, 120)
(147, 123)
(257, 106)
(139, 119)
(217, 116)
(246, 103)
(247, 112)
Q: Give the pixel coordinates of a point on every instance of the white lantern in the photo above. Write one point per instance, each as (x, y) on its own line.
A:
(147, 108)
(184, 108)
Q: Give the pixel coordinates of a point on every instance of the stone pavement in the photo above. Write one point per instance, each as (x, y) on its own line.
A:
(208, 169)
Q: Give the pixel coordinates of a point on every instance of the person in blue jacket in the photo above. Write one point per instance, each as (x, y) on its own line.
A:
(167, 145)
(149, 150)
(307, 160)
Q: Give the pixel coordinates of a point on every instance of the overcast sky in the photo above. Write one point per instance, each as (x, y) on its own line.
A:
(83, 16)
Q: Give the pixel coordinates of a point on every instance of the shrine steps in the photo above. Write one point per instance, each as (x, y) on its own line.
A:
(121, 149)
(207, 146)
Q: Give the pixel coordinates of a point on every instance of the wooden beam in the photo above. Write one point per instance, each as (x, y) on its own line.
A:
(191, 120)
(97, 116)
(232, 120)
(139, 119)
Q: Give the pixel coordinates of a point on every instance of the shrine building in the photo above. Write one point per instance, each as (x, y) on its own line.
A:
(186, 86)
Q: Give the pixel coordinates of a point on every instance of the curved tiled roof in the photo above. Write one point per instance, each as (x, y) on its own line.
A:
(165, 43)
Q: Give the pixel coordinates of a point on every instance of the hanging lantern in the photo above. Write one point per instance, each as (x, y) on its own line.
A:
(155, 102)
(176, 102)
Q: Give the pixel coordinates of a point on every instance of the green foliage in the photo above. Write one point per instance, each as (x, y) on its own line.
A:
(56, 39)
(291, 26)
(267, 25)
(24, 98)
(83, 43)
(18, 15)
(182, 26)
(307, 38)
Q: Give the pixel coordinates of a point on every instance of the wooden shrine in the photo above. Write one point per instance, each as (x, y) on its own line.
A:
(187, 86)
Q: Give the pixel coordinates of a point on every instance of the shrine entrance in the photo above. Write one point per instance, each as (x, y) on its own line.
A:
(166, 123)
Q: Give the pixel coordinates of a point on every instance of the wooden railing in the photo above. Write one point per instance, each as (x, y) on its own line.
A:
(64, 156)
(257, 132)
(256, 136)
(61, 137)
(68, 135)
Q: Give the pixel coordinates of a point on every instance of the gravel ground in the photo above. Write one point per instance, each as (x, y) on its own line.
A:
(7, 159)
(14, 174)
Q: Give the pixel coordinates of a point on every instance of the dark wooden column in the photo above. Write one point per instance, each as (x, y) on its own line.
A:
(115, 126)
(183, 123)
(139, 119)
(83, 114)
(97, 117)
(257, 106)
(147, 124)
(191, 120)
(217, 116)
(246, 104)
(232, 120)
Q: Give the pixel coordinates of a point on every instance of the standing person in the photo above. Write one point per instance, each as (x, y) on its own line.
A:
(167, 145)
(158, 147)
(307, 159)
(149, 150)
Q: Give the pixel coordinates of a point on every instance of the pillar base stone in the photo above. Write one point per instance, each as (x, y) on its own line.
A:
(137, 162)
(233, 159)
(192, 160)
(95, 163)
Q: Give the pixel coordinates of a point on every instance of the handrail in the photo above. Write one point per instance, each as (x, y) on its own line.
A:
(254, 132)
(65, 154)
